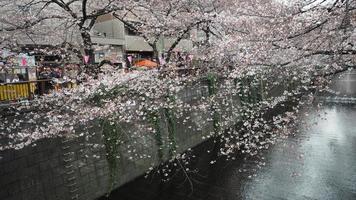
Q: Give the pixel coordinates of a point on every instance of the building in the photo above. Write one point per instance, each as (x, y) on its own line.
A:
(115, 42)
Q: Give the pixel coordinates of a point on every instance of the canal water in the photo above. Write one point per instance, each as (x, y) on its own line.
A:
(317, 162)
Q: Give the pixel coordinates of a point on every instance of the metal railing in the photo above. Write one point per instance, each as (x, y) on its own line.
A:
(26, 90)
(17, 91)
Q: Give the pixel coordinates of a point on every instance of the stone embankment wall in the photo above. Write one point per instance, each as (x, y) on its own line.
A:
(69, 168)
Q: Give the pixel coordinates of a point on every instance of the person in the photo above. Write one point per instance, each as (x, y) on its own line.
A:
(45, 73)
(15, 80)
(55, 73)
(71, 74)
(45, 86)
(21, 77)
(2, 77)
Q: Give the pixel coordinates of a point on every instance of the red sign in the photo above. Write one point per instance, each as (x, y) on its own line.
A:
(24, 61)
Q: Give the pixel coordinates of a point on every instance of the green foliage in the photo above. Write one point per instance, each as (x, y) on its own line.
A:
(212, 80)
(154, 119)
(172, 129)
(169, 114)
(112, 133)
(251, 89)
(212, 83)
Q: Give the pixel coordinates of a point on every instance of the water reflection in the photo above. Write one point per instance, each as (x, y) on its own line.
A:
(319, 164)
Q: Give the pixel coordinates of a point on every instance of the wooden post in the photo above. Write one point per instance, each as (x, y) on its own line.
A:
(30, 95)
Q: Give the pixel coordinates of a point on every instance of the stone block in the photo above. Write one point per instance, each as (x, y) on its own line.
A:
(13, 165)
(36, 158)
(3, 193)
(62, 192)
(6, 156)
(87, 169)
(7, 179)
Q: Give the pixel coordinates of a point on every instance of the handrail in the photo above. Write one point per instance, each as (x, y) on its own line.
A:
(24, 82)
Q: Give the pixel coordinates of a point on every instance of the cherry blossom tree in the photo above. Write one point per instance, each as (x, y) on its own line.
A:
(249, 37)
(304, 33)
(176, 20)
(265, 53)
(53, 19)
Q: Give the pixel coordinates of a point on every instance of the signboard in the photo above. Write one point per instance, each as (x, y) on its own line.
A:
(26, 61)
(32, 74)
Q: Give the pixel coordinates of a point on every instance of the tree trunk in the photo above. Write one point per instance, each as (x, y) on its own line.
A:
(89, 51)
(155, 53)
(88, 47)
(207, 34)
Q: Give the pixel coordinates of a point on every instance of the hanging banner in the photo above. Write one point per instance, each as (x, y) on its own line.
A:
(130, 59)
(86, 59)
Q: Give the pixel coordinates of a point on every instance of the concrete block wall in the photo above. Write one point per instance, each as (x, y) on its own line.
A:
(67, 168)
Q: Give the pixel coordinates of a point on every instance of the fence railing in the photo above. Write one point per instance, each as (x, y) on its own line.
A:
(26, 90)
(17, 91)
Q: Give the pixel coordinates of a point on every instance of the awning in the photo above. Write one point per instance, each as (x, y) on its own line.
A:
(146, 63)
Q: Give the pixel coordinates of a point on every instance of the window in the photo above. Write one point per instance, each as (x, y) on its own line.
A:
(131, 27)
(130, 31)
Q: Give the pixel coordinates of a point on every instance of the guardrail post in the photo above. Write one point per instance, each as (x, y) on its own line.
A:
(30, 94)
